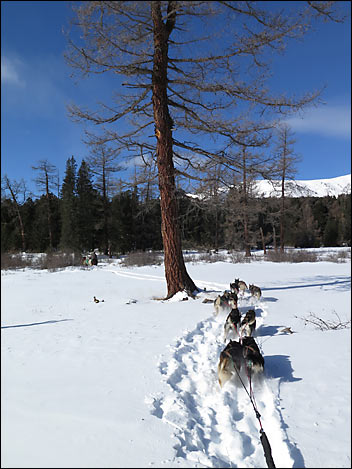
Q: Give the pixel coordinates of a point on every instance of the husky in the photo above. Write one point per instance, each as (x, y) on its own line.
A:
(239, 355)
(255, 291)
(252, 355)
(238, 286)
(248, 324)
(225, 302)
(231, 360)
(232, 323)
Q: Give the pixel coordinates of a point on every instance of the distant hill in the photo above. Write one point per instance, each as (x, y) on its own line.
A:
(310, 188)
(299, 188)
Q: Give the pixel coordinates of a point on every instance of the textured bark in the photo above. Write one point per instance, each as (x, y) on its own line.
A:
(177, 278)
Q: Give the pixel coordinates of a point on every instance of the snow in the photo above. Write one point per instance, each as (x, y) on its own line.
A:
(302, 188)
(297, 188)
(132, 381)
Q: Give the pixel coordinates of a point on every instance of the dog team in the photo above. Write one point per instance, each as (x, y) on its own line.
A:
(244, 353)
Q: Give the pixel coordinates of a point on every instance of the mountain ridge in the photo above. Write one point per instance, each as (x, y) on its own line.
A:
(297, 188)
(305, 188)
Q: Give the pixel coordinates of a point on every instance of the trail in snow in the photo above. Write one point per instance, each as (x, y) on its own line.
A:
(209, 286)
(216, 427)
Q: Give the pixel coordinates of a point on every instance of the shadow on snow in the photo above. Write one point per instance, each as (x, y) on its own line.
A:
(35, 323)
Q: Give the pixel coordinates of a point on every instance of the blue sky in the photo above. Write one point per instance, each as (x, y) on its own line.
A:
(36, 87)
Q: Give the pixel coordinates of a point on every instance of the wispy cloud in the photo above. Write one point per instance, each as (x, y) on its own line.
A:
(331, 121)
(36, 86)
(10, 72)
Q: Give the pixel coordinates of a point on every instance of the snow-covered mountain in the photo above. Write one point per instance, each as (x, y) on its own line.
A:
(299, 188)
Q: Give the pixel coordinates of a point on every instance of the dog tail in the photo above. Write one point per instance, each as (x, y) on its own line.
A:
(222, 374)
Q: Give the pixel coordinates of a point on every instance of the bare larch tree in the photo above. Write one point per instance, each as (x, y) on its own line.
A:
(285, 168)
(192, 71)
(15, 188)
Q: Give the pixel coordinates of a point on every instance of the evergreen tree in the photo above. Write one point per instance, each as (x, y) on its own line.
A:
(331, 233)
(123, 210)
(87, 199)
(69, 236)
(102, 163)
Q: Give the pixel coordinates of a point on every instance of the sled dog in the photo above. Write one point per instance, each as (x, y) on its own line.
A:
(248, 324)
(238, 286)
(225, 302)
(255, 291)
(232, 323)
(235, 356)
(254, 359)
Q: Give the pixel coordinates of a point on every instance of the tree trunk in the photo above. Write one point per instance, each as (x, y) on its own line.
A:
(282, 222)
(274, 236)
(177, 278)
(47, 194)
(23, 236)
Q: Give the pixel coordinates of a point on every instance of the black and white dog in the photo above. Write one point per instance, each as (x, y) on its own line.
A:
(237, 355)
(248, 324)
(252, 355)
(232, 323)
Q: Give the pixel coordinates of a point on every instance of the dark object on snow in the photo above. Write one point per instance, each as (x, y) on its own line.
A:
(267, 449)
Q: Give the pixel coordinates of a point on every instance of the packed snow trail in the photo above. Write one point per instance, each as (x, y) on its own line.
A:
(216, 427)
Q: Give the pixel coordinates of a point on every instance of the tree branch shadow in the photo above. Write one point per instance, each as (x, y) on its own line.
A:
(35, 323)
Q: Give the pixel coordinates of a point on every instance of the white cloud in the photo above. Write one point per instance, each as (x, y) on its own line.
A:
(10, 72)
(326, 121)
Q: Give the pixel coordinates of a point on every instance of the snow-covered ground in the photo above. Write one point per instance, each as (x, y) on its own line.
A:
(132, 381)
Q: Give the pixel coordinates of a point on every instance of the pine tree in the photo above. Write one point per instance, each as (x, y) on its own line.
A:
(102, 163)
(331, 233)
(69, 237)
(87, 199)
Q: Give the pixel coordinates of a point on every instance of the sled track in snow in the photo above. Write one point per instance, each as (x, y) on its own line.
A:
(215, 427)
(210, 286)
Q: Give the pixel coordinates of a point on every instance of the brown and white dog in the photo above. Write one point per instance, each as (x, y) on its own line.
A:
(225, 302)
(255, 291)
(238, 286)
(248, 324)
(237, 355)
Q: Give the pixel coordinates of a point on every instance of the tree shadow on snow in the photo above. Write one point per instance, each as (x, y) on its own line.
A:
(36, 323)
(279, 366)
(269, 299)
(263, 331)
(340, 283)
